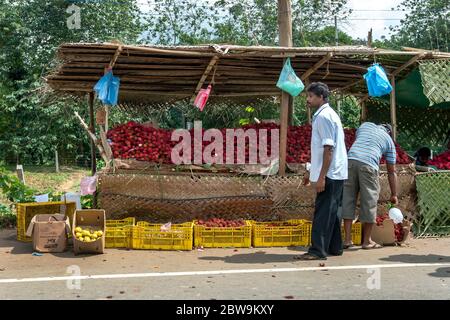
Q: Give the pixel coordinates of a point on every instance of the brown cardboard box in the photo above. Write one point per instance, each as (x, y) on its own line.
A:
(89, 219)
(385, 234)
(49, 232)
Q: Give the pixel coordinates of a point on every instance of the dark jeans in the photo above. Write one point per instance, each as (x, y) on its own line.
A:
(326, 228)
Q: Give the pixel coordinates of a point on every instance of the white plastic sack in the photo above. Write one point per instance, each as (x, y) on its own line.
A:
(396, 215)
(41, 198)
(72, 197)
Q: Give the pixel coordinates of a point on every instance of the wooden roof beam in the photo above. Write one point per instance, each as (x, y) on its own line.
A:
(407, 64)
(115, 56)
(352, 84)
(208, 69)
(316, 66)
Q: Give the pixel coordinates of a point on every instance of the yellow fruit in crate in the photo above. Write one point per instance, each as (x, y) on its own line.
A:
(86, 233)
(99, 233)
(94, 236)
(78, 229)
(79, 234)
(81, 238)
(87, 239)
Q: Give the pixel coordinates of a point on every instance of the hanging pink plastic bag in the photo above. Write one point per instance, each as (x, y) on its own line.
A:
(88, 185)
(202, 97)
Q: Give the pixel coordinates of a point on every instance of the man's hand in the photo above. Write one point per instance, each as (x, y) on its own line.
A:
(306, 181)
(394, 200)
(320, 185)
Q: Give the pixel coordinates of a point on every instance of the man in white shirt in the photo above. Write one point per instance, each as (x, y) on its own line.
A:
(327, 173)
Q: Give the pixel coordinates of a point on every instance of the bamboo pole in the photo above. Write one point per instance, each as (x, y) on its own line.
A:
(92, 130)
(393, 110)
(205, 74)
(285, 36)
(363, 112)
(316, 66)
(407, 64)
(308, 110)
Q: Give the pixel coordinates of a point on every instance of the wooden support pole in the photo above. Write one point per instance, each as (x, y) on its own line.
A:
(291, 111)
(363, 112)
(308, 110)
(20, 173)
(56, 161)
(369, 38)
(393, 110)
(285, 36)
(92, 130)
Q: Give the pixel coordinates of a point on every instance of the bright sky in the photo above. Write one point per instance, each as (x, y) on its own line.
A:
(379, 21)
(375, 14)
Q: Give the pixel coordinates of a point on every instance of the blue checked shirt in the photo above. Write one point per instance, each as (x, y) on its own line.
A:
(372, 141)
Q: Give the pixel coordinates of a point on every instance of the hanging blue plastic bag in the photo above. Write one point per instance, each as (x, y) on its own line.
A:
(288, 81)
(101, 87)
(377, 81)
(107, 89)
(113, 91)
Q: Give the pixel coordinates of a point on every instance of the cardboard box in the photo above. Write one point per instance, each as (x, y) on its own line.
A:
(89, 219)
(49, 232)
(385, 234)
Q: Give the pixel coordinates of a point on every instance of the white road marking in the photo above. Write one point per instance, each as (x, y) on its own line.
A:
(221, 272)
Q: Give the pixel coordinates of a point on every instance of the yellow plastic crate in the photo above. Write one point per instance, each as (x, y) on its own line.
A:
(356, 233)
(216, 237)
(118, 233)
(291, 233)
(131, 221)
(150, 237)
(26, 212)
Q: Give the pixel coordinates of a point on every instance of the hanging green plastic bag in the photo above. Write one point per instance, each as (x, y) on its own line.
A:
(377, 81)
(288, 81)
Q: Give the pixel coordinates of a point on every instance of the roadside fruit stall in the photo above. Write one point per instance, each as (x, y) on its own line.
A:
(215, 204)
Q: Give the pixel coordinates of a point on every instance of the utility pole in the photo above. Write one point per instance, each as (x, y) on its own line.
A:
(285, 36)
(336, 35)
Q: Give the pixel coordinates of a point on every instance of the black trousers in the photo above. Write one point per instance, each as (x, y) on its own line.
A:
(326, 229)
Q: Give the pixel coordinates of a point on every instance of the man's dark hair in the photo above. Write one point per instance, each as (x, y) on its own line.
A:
(319, 89)
(423, 152)
(388, 128)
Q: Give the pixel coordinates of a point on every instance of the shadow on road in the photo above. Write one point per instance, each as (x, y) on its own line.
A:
(260, 257)
(8, 238)
(413, 258)
(441, 273)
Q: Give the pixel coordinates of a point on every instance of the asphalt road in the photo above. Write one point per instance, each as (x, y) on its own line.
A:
(420, 270)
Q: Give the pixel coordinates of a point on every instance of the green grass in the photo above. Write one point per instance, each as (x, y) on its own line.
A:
(45, 179)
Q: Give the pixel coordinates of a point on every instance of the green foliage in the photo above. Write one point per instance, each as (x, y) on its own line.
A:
(33, 124)
(87, 201)
(425, 25)
(7, 218)
(14, 190)
(252, 22)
